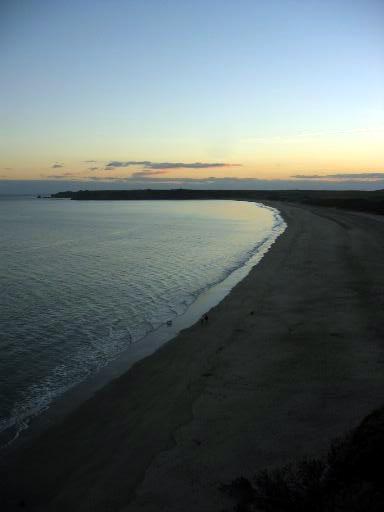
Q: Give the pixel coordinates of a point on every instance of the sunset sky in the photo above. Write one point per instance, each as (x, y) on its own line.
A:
(142, 92)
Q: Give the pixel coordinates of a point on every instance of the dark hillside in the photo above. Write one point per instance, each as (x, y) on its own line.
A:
(371, 202)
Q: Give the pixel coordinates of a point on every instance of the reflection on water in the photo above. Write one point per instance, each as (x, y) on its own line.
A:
(81, 281)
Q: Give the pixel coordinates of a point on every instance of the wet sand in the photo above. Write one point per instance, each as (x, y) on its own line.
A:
(293, 357)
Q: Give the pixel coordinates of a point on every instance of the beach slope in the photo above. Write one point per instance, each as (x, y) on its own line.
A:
(290, 359)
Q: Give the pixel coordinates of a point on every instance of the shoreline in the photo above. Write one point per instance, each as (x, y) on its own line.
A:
(66, 403)
(290, 359)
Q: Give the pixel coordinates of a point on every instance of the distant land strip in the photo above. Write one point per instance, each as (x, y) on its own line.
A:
(362, 201)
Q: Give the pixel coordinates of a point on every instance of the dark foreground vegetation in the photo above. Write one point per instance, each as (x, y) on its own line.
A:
(370, 202)
(349, 478)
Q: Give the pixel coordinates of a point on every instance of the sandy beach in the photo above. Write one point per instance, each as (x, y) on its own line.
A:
(292, 358)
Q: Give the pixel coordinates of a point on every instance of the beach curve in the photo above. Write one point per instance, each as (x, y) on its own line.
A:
(289, 360)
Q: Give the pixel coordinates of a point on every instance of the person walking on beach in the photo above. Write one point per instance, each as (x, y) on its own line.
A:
(204, 319)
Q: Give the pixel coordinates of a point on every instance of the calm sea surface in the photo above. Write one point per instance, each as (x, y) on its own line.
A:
(80, 281)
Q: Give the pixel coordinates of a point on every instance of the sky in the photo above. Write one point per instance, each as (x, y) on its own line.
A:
(213, 93)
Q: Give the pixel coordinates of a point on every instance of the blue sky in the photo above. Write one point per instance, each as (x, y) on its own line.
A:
(280, 88)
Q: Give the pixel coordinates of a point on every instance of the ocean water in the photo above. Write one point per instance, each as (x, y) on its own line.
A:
(81, 281)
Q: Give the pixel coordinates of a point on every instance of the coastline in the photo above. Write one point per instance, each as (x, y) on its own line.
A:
(243, 392)
(64, 404)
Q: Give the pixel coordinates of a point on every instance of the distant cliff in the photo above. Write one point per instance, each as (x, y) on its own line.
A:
(372, 202)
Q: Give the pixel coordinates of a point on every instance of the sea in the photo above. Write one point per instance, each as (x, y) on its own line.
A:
(81, 283)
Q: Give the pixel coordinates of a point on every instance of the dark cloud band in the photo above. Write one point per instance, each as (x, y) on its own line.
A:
(148, 165)
(341, 176)
(147, 173)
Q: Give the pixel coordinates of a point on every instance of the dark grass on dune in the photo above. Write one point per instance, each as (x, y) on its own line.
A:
(349, 478)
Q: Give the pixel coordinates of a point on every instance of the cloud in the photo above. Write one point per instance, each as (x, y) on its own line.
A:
(116, 163)
(368, 176)
(89, 161)
(93, 168)
(167, 165)
(179, 181)
(196, 165)
(57, 165)
(146, 173)
(78, 176)
(8, 168)
(59, 176)
(307, 176)
(105, 178)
